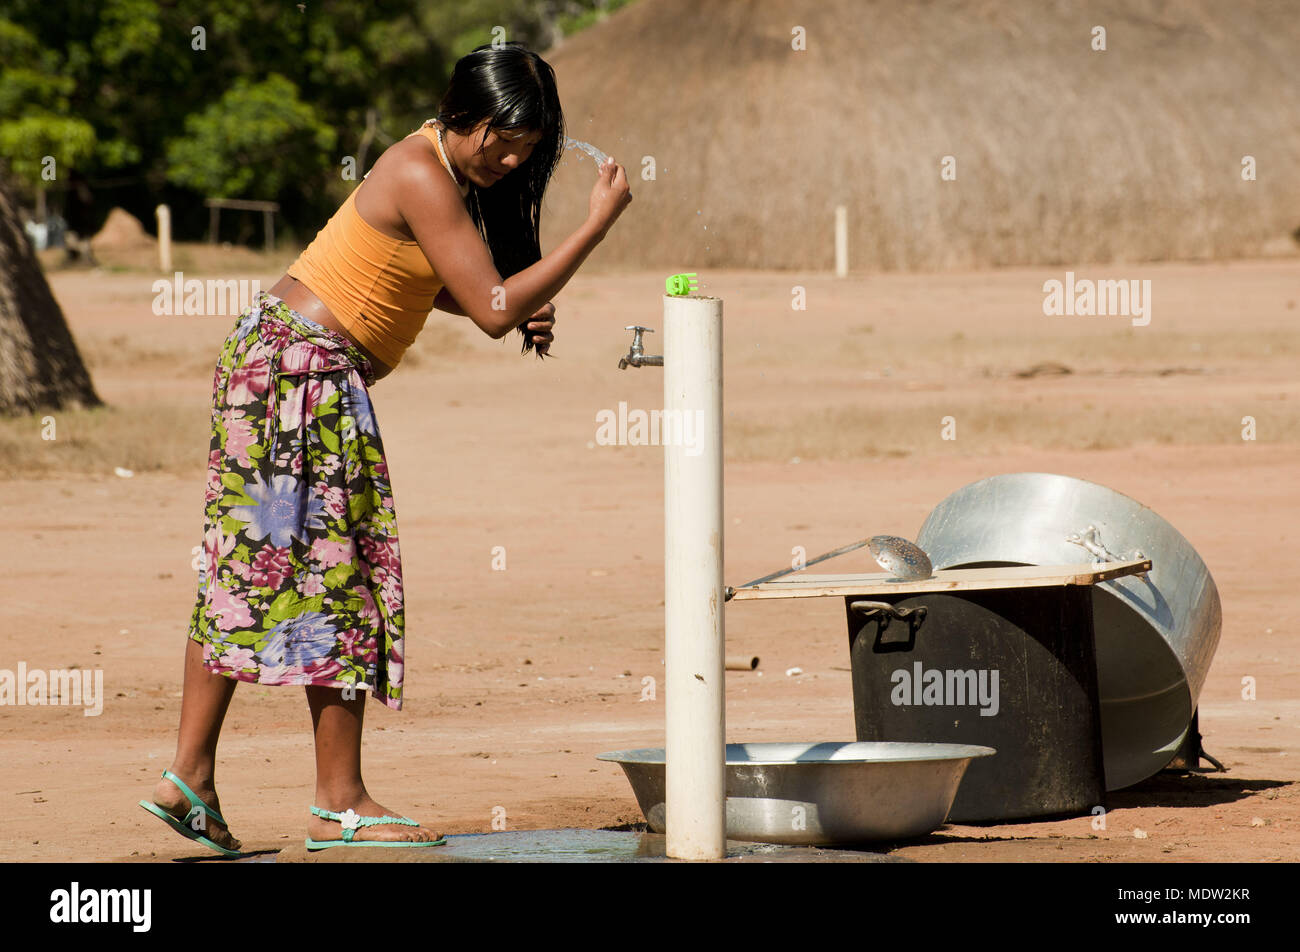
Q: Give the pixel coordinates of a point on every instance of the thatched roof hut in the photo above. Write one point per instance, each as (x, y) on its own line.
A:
(1063, 153)
(40, 366)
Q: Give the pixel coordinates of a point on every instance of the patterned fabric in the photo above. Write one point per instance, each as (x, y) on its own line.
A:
(300, 578)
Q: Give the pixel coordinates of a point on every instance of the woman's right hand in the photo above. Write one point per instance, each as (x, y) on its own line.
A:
(609, 196)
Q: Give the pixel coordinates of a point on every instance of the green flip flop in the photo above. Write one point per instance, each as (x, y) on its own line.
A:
(186, 827)
(351, 822)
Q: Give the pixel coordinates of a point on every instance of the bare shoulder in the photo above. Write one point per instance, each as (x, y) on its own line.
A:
(407, 176)
(412, 161)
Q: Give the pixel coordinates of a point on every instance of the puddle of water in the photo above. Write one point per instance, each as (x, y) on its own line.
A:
(594, 846)
(572, 846)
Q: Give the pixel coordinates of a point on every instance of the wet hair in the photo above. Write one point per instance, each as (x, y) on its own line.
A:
(513, 89)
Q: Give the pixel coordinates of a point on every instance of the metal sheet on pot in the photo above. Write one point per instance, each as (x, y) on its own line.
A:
(1155, 636)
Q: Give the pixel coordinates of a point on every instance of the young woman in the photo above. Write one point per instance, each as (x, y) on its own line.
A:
(301, 579)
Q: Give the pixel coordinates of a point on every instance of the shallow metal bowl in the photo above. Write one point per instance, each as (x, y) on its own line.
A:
(820, 794)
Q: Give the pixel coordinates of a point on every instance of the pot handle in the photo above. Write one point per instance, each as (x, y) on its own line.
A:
(1090, 539)
(882, 613)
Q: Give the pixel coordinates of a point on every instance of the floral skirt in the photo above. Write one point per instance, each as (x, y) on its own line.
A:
(300, 574)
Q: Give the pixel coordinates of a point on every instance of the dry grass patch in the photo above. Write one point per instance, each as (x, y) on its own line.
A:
(144, 438)
(916, 429)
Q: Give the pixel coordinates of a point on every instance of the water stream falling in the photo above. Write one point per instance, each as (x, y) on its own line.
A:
(599, 157)
(586, 147)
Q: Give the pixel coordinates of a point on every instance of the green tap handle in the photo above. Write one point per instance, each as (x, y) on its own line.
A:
(681, 284)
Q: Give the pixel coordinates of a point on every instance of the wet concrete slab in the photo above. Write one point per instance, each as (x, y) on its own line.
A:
(568, 846)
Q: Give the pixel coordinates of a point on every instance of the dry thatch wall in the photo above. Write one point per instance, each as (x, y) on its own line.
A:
(40, 366)
(1063, 154)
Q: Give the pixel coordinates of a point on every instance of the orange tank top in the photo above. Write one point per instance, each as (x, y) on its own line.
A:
(380, 288)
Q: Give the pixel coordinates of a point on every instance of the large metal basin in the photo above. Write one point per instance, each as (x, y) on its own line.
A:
(1155, 637)
(820, 794)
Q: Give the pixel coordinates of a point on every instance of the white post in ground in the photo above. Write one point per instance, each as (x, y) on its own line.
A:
(841, 241)
(164, 238)
(695, 780)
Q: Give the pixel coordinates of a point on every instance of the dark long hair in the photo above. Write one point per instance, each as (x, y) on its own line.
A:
(513, 89)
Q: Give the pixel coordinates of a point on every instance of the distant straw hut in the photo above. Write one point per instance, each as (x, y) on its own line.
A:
(1062, 153)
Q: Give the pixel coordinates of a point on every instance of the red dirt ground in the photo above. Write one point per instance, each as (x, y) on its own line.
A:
(516, 679)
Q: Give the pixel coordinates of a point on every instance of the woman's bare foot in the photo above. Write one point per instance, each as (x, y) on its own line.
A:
(169, 796)
(324, 830)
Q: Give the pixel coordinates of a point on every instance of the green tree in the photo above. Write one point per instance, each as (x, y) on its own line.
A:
(176, 100)
(34, 122)
(254, 142)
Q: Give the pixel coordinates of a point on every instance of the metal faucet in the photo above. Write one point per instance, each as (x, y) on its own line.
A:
(636, 357)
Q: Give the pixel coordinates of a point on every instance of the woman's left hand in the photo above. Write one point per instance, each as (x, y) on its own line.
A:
(539, 328)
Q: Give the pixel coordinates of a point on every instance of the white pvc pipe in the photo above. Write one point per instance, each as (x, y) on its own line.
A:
(164, 238)
(841, 241)
(695, 781)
